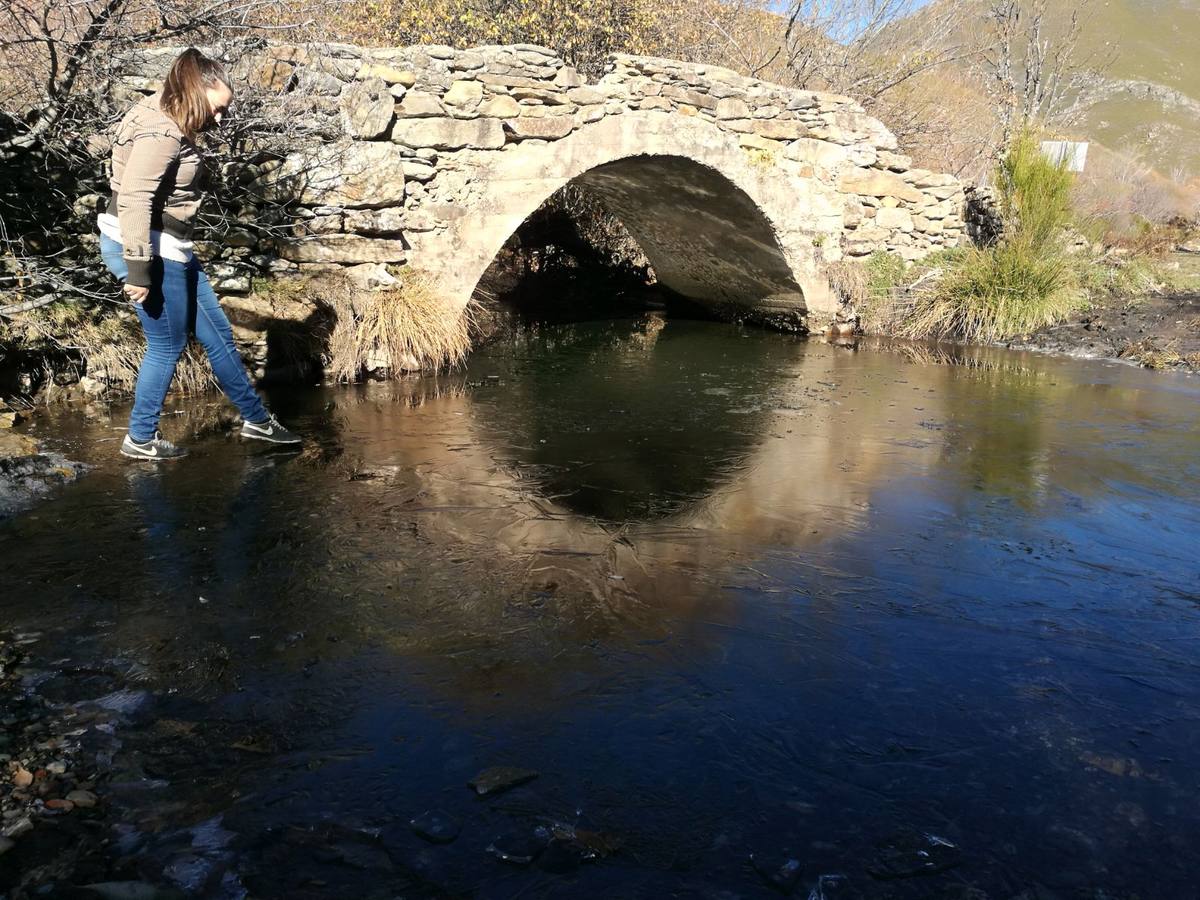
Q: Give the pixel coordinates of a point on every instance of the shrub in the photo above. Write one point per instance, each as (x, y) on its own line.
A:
(1034, 194)
(1025, 281)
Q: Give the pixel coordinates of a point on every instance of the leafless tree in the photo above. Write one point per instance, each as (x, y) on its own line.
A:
(1033, 65)
(866, 48)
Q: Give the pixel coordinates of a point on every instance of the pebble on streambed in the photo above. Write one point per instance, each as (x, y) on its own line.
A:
(49, 760)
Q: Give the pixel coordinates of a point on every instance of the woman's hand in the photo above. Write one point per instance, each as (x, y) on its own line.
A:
(135, 293)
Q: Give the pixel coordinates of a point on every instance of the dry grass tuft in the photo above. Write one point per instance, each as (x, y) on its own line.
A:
(1027, 280)
(112, 346)
(850, 280)
(403, 328)
(994, 293)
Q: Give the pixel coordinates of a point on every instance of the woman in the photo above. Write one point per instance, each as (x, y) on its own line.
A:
(145, 239)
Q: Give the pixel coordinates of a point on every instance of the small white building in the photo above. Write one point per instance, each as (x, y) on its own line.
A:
(1073, 153)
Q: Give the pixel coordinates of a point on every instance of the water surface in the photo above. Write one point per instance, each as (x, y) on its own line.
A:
(729, 593)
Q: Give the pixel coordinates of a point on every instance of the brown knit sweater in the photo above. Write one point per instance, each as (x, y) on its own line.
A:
(157, 183)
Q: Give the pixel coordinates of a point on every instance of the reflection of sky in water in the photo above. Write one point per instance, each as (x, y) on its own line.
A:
(727, 592)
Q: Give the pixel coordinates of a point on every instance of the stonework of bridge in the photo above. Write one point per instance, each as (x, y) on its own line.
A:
(739, 191)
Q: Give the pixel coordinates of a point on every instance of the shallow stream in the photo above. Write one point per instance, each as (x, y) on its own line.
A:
(763, 614)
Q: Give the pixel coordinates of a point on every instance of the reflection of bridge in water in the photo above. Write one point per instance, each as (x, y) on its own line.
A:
(642, 467)
(653, 462)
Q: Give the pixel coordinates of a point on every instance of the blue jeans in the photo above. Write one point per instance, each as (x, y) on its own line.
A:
(181, 301)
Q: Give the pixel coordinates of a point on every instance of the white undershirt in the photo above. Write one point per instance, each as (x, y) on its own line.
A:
(162, 244)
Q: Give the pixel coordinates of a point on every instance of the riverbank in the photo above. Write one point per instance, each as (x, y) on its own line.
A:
(1153, 332)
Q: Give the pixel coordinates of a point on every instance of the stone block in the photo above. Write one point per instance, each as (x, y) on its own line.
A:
(464, 94)
(367, 108)
(585, 96)
(568, 77)
(758, 142)
(500, 106)
(946, 192)
(898, 219)
(388, 74)
(324, 224)
(509, 81)
(875, 183)
(343, 174)
(370, 276)
(780, 129)
(893, 162)
(732, 108)
(449, 134)
(547, 128)
(693, 98)
(415, 170)
(741, 126)
(801, 100)
(342, 248)
(817, 153)
(375, 221)
(420, 104)
(316, 82)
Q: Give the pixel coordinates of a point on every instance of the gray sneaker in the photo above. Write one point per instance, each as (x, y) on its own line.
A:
(157, 448)
(269, 430)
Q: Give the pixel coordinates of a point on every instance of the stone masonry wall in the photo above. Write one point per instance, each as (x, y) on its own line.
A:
(406, 133)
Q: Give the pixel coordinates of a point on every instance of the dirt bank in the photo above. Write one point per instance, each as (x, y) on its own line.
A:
(1158, 332)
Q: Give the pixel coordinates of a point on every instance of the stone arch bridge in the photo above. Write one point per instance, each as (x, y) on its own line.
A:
(739, 191)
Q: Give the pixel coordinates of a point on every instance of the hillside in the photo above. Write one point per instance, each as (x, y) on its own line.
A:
(1151, 90)
(1153, 104)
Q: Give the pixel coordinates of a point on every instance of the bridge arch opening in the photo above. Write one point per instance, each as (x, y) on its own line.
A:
(674, 223)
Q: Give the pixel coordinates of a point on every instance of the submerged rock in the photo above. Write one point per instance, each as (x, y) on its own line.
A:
(500, 778)
(909, 854)
(27, 471)
(82, 799)
(519, 848)
(783, 874)
(435, 826)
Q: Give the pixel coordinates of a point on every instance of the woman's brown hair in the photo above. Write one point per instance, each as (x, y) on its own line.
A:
(183, 97)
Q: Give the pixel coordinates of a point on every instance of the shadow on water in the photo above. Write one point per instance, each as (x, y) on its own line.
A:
(731, 594)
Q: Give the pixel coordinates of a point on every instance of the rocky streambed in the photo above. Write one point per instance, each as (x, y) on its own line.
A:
(28, 468)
